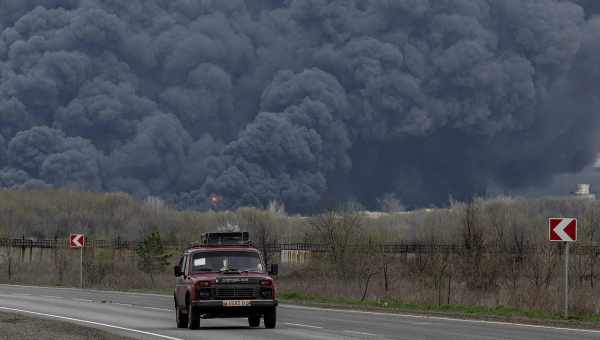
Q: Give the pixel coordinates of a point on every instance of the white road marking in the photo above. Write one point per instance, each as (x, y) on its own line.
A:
(502, 323)
(160, 309)
(88, 300)
(360, 333)
(302, 325)
(122, 304)
(88, 290)
(91, 323)
(420, 323)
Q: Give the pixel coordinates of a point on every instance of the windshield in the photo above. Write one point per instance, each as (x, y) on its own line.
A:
(226, 261)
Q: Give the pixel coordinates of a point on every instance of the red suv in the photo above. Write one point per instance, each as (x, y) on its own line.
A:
(224, 277)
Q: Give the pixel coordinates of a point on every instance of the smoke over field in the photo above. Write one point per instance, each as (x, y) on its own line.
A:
(305, 102)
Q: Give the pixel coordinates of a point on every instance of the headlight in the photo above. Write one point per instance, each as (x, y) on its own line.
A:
(266, 293)
(204, 293)
(205, 283)
(266, 283)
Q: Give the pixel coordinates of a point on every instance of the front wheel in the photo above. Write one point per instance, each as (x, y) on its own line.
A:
(180, 317)
(271, 318)
(193, 317)
(254, 320)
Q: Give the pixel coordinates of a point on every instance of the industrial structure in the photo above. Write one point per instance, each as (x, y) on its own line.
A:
(583, 191)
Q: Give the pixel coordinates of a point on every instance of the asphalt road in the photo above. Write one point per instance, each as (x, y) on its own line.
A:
(150, 316)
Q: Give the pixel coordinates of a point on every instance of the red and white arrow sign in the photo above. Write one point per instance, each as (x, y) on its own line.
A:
(76, 240)
(562, 229)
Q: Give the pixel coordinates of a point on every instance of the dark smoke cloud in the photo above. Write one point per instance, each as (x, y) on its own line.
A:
(306, 102)
(2, 151)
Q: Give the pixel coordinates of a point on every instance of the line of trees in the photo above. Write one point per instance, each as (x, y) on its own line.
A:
(493, 267)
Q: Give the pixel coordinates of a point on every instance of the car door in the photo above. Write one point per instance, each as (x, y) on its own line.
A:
(180, 283)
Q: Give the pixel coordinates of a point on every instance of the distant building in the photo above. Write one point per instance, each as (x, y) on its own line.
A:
(583, 192)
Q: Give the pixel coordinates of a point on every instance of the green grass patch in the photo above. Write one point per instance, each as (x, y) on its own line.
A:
(464, 310)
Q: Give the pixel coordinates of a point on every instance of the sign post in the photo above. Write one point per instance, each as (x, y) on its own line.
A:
(564, 230)
(566, 306)
(77, 241)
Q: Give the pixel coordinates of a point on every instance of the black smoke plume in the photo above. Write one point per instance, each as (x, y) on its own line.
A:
(306, 102)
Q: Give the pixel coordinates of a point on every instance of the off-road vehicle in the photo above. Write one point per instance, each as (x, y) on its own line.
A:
(224, 276)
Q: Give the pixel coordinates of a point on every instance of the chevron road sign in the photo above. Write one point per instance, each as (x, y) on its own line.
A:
(76, 241)
(562, 229)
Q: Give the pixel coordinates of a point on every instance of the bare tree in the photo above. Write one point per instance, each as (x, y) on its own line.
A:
(263, 229)
(390, 203)
(336, 230)
(472, 232)
(367, 261)
(591, 223)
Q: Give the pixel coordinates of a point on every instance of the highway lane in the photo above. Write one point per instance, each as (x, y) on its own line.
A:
(150, 316)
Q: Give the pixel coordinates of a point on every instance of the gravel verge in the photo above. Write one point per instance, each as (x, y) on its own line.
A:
(16, 326)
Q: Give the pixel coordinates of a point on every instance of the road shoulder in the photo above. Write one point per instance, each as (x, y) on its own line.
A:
(572, 323)
(25, 327)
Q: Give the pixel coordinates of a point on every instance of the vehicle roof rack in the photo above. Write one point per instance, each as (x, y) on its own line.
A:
(239, 238)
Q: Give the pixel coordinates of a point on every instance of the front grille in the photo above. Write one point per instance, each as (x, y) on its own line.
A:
(235, 293)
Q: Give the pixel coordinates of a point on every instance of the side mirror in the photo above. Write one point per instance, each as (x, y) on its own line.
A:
(177, 271)
(274, 269)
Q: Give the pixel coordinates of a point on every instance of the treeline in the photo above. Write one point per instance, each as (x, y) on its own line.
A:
(55, 213)
(504, 258)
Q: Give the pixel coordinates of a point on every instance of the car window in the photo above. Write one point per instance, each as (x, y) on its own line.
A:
(180, 263)
(185, 264)
(226, 261)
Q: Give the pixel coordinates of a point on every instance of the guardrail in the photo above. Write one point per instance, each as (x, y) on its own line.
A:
(391, 248)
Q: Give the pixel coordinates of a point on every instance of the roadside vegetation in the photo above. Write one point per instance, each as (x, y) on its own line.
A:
(489, 256)
(483, 312)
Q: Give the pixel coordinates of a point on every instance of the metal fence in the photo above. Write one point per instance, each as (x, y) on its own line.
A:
(391, 248)
(63, 243)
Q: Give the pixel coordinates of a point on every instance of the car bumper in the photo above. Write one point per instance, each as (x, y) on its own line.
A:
(219, 304)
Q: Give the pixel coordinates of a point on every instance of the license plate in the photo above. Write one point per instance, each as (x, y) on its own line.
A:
(236, 303)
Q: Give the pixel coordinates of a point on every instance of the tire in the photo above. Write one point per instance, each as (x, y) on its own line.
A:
(271, 318)
(180, 317)
(254, 321)
(193, 317)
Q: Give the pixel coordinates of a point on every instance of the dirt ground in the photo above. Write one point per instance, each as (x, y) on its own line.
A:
(17, 326)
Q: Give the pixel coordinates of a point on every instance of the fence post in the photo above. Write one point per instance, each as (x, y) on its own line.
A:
(23, 248)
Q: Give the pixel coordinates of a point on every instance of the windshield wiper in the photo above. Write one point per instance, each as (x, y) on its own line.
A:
(229, 270)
